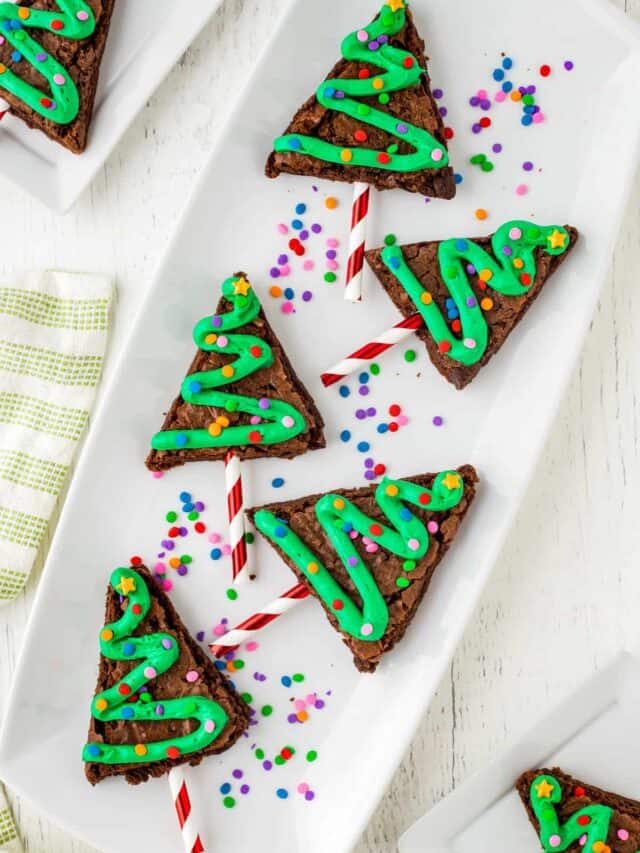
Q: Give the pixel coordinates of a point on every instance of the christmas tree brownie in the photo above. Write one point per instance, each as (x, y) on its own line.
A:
(471, 293)
(569, 815)
(50, 55)
(372, 576)
(241, 392)
(159, 700)
(374, 118)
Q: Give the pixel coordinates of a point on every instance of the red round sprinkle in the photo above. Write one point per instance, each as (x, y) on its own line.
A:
(485, 121)
(579, 791)
(337, 604)
(393, 426)
(408, 62)
(545, 70)
(135, 608)
(360, 136)
(449, 133)
(394, 410)
(456, 326)
(375, 530)
(425, 498)
(255, 351)
(173, 752)
(124, 689)
(286, 753)
(199, 527)
(364, 74)
(173, 532)
(383, 157)
(525, 278)
(255, 436)
(584, 819)
(45, 102)
(379, 469)
(444, 346)
(136, 561)
(57, 24)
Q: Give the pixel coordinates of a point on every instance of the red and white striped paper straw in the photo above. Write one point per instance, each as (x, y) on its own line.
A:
(182, 801)
(246, 630)
(357, 239)
(235, 512)
(360, 358)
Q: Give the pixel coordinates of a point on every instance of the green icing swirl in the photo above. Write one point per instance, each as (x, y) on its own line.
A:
(75, 20)
(515, 241)
(402, 71)
(157, 653)
(339, 517)
(280, 420)
(555, 837)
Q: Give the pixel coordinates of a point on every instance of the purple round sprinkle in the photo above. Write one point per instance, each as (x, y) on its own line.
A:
(373, 45)
(474, 101)
(527, 165)
(507, 250)
(183, 531)
(437, 93)
(292, 718)
(437, 421)
(198, 506)
(320, 704)
(331, 254)
(41, 57)
(200, 636)
(224, 620)
(369, 474)
(485, 105)
(170, 546)
(383, 39)
(274, 272)
(496, 148)
(216, 321)
(352, 561)
(471, 302)
(244, 789)
(471, 269)
(237, 774)
(568, 65)
(339, 95)
(371, 412)
(443, 111)
(309, 795)
(316, 228)
(475, 128)
(363, 390)
(267, 764)
(361, 414)
(282, 259)
(167, 643)
(159, 710)
(306, 295)
(182, 570)
(401, 127)
(304, 234)
(368, 462)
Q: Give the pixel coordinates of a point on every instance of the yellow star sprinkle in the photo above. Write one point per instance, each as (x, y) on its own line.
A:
(451, 481)
(241, 287)
(544, 789)
(127, 585)
(557, 239)
(394, 5)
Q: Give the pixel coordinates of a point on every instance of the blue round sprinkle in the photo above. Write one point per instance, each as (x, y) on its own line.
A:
(507, 63)
(93, 750)
(220, 664)
(127, 713)
(344, 391)
(215, 553)
(461, 246)
(289, 293)
(329, 91)
(128, 648)
(296, 224)
(187, 507)
(277, 482)
(498, 74)
(16, 56)
(185, 497)
(345, 435)
(394, 263)
(382, 428)
(195, 387)
(526, 120)
(16, 25)
(286, 681)
(507, 86)
(282, 793)
(363, 446)
(405, 514)
(295, 143)
(363, 378)
(458, 178)
(301, 208)
(225, 788)
(280, 532)
(181, 439)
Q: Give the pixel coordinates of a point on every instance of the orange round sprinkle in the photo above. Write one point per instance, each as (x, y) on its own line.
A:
(3, 68)
(338, 503)
(486, 304)
(214, 430)
(24, 14)
(227, 371)
(378, 83)
(518, 263)
(107, 634)
(346, 156)
(313, 568)
(140, 749)
(302, 716)
(210, 339)
(481, 213)
(275, 291)
(426, 298)
(223, 421)
(515, 95)
(101, 704)
(331, 202)
(174, 562)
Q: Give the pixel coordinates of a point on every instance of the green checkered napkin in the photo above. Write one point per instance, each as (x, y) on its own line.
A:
(53, 334)
(9, 841)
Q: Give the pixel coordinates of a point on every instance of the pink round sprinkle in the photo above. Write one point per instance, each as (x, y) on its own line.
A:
(285, 269)
(59, 79)
(82, 15)
(402, 420)
(167, 585)
(158, 474)
(308, 265)
(515, 233)
(226, 550)
(299, 705)
(583, 840)
(149, 672)
(500, 96)
(413, 544)
(432, 526)
(192, 676)
(251, 646)
(282, 228)
(353, 534)
(303, 788)
(255, 419)
(522, 189)
(222, 341)
(214, 538)
(483, 94)
(371, 549)
(332, 242)
(311, 698)
(623, 835)
(437, 155)
(209, 725)
(160, 567)
(219, 630)
(287, 307)
(554, 841)
(332, 265)
(362, 35)
(538, 118)
(469, 343)
(366, 629)
(287, 421)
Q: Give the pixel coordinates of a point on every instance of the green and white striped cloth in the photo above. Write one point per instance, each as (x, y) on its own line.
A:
(9, 840)
(53, 334)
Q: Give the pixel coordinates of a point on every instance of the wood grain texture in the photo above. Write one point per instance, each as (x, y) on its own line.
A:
(539, 629)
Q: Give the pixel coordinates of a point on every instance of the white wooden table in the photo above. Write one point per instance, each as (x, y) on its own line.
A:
(563, 597)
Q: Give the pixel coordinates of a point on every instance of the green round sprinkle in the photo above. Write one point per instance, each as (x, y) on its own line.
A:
(477, 159)
(249, 538)
(298, 676)
(409, 565)
(374, 368)
(266, 710)
(410, 355)
(311, 755)
(231, 405)
(247, 698)
(487, 167)
(279, 760)
(145, 697)
(171, 516)
(533, 233)
(238, 664)
(363, 110)
(194, 515)
(528, 100)
(392, 149)
(390, 240)
(403, 583)
(383, 98)
(228, 802)
(232, 594)
(259, 754)
(186, 559)
(330, 277)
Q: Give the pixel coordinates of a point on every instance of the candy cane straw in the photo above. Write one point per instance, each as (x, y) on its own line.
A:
(247, 629)
(357, 235)
(377, 346)
(5, 106)
(235, 512)
(182, 801)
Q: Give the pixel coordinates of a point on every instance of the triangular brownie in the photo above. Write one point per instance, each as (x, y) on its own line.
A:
(159, 700)
(573, 816)
(366, 555)
(374, 118)
(50, 55)
(471, 293)
(241, 392)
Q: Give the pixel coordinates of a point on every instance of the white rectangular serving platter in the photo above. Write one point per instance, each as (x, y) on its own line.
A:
(587, 151)
(592, 735)
(146, 38)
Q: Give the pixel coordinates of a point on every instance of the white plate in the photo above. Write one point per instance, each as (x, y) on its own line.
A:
(146, 38)
(592, 736)
(588, 151)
